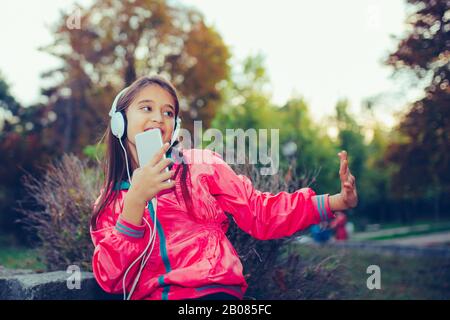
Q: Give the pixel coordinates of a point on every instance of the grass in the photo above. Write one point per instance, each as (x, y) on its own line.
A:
(401, 277)
(15, 256)
(20, 258)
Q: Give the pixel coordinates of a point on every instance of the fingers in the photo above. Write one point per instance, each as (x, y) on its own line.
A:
(343, 169)
(162, 181)
(351, 179)
(166, 175)
(160, 166)
(343, 155)
(158, 156)
(348, 181)
(167, 184)
(348, 186)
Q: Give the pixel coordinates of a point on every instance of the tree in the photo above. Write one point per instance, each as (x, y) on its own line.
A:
(21, 151)
(374, 184)
(351, 138)
(120, 40)
(247, 104)
(421, 152)
(316, 154)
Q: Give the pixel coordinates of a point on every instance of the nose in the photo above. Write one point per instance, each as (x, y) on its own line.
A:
(156, 117)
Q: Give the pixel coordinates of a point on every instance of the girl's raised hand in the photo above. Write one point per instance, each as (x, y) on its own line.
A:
(348, 193)
(149, 180)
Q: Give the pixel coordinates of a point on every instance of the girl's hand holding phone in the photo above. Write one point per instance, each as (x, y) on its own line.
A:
(146, 183)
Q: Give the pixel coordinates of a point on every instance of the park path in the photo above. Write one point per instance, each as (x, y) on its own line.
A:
(430, 245)
(435, 239)
(367, 235)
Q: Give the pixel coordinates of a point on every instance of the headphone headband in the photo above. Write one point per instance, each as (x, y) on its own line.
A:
(116, 100)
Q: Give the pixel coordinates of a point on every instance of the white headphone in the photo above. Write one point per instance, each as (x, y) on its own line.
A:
(118, 129)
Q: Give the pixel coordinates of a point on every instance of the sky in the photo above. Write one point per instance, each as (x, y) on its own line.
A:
(319, 50)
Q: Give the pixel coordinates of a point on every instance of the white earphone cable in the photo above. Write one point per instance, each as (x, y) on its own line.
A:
(151, 241)
(145, 258)
(155, 204)
(132, 264)
(141, 256)
(126, 160)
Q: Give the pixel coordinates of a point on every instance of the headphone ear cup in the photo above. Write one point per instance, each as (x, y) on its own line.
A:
(118, 125)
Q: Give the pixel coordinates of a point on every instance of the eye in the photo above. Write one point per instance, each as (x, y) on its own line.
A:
(146, 108)
(169, 113)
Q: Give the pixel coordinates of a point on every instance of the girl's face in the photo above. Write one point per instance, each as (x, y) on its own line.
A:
(153, 107)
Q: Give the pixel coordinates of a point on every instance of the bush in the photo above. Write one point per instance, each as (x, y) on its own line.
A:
(63, 204)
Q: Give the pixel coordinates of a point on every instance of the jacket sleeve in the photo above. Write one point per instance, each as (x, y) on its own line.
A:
(117, 244)
(264, 215)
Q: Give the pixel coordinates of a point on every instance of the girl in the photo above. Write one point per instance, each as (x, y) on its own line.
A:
(191, 258)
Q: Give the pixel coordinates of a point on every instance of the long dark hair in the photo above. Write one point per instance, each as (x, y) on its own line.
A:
(114, 165)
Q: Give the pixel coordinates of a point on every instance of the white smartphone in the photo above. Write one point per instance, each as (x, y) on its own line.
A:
(148, 143)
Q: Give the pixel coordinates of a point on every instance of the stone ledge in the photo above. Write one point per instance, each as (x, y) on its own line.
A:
(26, 285)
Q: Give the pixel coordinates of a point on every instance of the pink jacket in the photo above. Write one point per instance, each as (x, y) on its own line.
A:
(193, 257)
